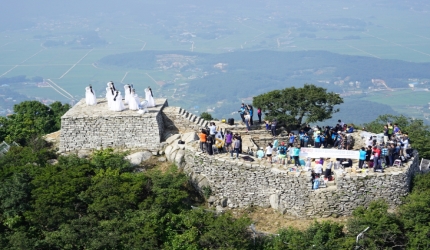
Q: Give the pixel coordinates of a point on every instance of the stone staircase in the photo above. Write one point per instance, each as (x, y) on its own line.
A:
(179, 120)
(193, 118)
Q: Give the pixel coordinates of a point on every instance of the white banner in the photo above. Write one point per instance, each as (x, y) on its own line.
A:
(328, 153)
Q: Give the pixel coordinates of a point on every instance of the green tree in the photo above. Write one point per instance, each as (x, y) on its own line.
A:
(30, 119)
(293, 105)
(59, 110)
(206, 116)
(111, 194)
(55, 194)
(319, 235)
(385, 229)
(415, 213)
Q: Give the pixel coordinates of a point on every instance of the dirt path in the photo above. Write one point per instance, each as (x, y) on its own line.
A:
(270, 221)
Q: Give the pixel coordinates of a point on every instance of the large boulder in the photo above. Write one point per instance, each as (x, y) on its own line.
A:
(274, 201)
(189, 137)
(137, 158)
(180, 158)
(173, 138)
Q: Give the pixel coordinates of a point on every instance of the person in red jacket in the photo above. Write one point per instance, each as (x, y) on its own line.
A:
(376, 163)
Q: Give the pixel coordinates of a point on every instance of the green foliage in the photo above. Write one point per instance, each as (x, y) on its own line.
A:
(386, 229)
(107, 159)
(202, 230)
(30, 119)
(415, 213)
(418, 132)
(206, 116)
(102, 204)
(320, 235)
(54, 197)
(292, 105)
(207, 191)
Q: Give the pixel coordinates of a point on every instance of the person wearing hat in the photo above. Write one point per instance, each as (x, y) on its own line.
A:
(282, 153)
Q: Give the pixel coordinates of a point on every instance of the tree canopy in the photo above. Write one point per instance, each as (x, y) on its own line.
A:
(293, 105)
(30, 119)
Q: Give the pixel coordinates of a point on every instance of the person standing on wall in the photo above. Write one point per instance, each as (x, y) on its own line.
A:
(203, 138)
(273, 128)
(247, 117)
(236, 146)
(251, 114)
(295, 154)
(269, 152)
(362, 157)
(238, 137)
(376, 162)
(242, 112)
(386, 135)
(291, 139)
(209, 143)
(259, 115)
(229, 141)
(282, 153)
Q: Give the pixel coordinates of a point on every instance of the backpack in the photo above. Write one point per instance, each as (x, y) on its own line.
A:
(283, 150)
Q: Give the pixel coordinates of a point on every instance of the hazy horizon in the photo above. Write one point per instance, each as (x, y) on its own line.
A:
(65, 41)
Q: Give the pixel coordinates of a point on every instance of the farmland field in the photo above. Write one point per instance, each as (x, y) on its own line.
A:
(360, 28)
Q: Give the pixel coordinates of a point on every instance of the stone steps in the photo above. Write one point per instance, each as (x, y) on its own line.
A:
(187, 115)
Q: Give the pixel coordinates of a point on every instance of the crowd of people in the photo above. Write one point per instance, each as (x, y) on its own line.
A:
(377, 154)
(246, 113)
(115, 100)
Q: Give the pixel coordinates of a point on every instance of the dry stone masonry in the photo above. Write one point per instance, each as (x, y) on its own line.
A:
(96, 127)
(234, 183)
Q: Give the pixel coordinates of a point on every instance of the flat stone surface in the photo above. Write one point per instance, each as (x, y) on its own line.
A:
(81, 109)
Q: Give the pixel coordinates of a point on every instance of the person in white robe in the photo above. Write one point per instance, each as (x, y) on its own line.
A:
(117, 104)
(90, 96)
(127, 93)
(149, 97)
(133, 102)
(109, 96)
(143, 107)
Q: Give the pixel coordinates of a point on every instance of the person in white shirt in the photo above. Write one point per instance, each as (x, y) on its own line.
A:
(318, 169)
(212, 129)
(269, 151)
(405, 142)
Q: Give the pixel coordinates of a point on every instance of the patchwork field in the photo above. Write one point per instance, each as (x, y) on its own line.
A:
(378, 33)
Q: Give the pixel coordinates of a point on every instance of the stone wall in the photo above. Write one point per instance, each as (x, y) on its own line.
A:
(96, 127)
(177, 120)
(236, 183)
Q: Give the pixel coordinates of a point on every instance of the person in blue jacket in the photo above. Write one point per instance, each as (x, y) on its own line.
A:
(317, 141)
(251, 113)
(242, 112)
(362, 157)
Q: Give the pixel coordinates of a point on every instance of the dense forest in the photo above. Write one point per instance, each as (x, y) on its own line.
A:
(48, 201)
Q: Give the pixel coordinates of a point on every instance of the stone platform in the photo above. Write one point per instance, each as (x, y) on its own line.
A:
(97, 127)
